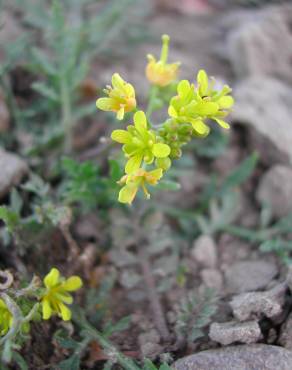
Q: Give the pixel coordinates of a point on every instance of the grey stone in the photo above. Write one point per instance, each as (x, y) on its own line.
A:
(262, 44)
(243, 357)
(205, 251)
(263, 105)
(231, 332)
(212, 278)
(285, 338)
(248, 276)
(255, 305)
(12, 171)
(275, 190)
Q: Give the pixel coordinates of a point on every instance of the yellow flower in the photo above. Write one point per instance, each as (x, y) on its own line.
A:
(140, 143)
(135, 180)
(6, 318)
(57, 294)
(159, 72)
(194, 105)
(121, 97)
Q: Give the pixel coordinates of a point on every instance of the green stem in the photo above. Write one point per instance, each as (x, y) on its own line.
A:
(152, 98)
(66, 115)
(251, 235)
(111, 350)
(10, 100)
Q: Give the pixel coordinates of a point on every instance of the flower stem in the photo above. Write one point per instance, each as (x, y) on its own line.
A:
(158, 314)
(154, 300)
(152, 98)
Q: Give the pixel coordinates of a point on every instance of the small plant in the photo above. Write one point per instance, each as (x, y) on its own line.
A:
(36, 301)
(195, 313)
(150, 148)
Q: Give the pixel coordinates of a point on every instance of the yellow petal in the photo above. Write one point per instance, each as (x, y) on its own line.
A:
(117, 81)
(172, 112)
(222, 123)
(121, 136)
(73, 283)
(226, 102)
(140, 121)
(121, 113)
(46, 308)
(202, 80)
(128, 193)
(200, 127)
(183, 88)
(133, 163)
(64, 297)
(64, 311)
(106, 104)
(161, 150)
(204, 108)
(154, 175)
(52, 278)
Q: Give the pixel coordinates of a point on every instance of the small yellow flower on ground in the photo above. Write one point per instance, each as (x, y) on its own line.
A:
(134, 181)
(159, 72)
(140, 143)
(121, 97)
(57, 295)
(6, 318)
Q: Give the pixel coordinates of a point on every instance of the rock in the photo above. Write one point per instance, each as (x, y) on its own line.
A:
(285, 338)
(255, 305)
(232, 332)
(263, 105)
(249, 275)
(262, 44)
(289, 278)
(275, 190)
(205, 251)
(243, 357)
(4, 115)
(212, 278)
(12, 171)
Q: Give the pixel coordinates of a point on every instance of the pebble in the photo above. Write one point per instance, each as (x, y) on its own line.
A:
(242, 357)
(256, 305)
(275, 189)
(248, 276)
(13, 169)
(205, 251)
(233, 332)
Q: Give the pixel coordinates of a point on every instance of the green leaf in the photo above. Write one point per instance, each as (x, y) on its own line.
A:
(168, 185)
(16, 201)
(10, 218)
(45, 90)
(115, 170)
(72, 363)
(20, 361)
(43, 62)
(240, 174)
(148, 365)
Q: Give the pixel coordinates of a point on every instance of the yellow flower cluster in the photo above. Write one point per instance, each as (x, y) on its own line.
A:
(145, 145)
